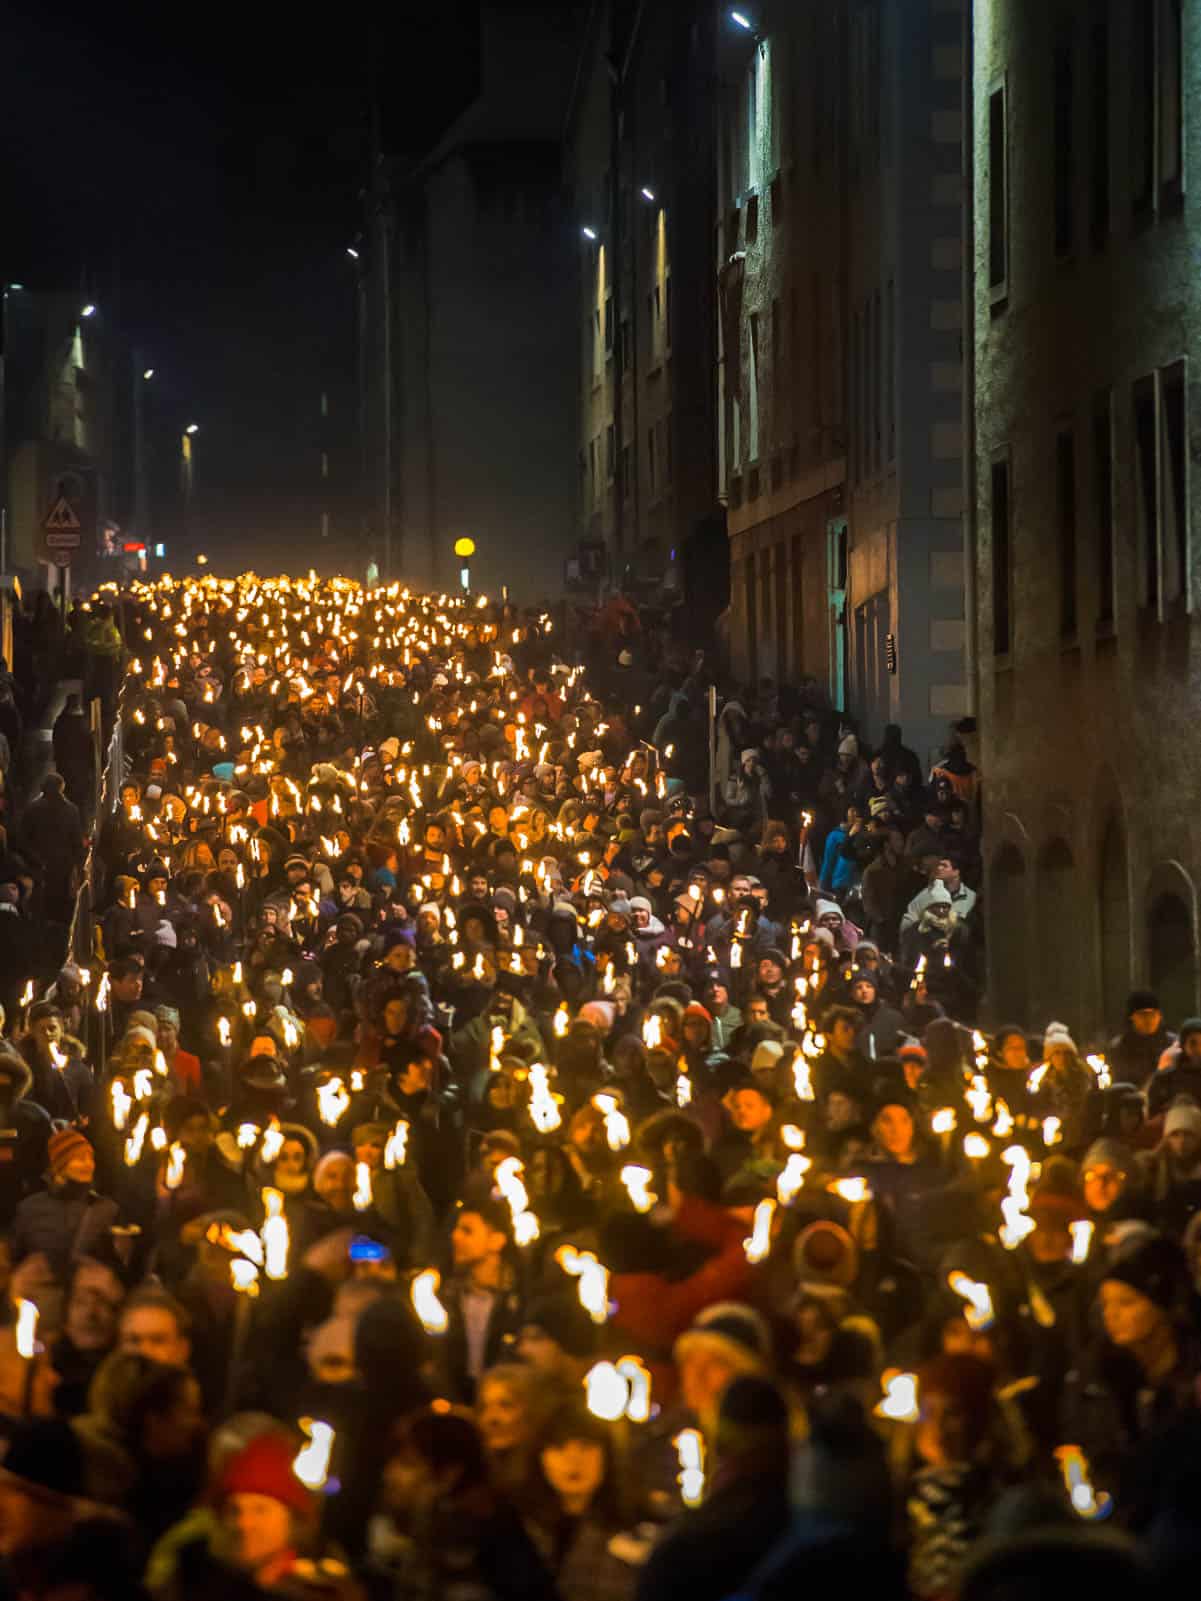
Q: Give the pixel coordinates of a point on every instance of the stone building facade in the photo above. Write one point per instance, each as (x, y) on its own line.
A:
(1086, 307)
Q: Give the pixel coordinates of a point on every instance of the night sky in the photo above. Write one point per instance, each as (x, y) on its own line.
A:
(199, 171)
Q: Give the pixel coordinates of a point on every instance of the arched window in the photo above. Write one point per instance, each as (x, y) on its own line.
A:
(1058, 936)
(1172, 955)
(1009, 942)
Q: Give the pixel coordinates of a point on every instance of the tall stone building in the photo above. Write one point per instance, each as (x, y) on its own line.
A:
(1086, 306)
(465, 306)
(639, 158)
(839, 254)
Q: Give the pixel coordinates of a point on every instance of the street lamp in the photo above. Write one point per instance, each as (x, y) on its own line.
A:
(192, 428)
(588, 233)
(742, 21)
(647, 193)
(465, 550)
(352, 253)
(148, 374)
(88, 311)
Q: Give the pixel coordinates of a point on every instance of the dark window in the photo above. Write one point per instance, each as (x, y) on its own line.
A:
(1063, 87)
(1065, 496)
(1103, 471)
(890, 368)
(610, 451)
(608, 325)
(1002, 638)
(1171, 106)
(1099, 108)
(877, 384)
(668, 450)
(627, 352)
(1142, 104)
(998, 197)
(667, 312)
(627, 471)
(650, 460)
(1174, 541)
(1147, 486)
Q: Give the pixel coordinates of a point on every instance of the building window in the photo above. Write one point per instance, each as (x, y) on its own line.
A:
(753, 391)
(998, 194)
(890, 368)
(667, 312)
(652, 473)
(1099, 172)
(325, 464)
(1103, 474)
(1171, 105)
(1142, 104)
(877, 385)
(610, 452)
(593, 485)
(1002, 621)
(1146, 473)
(1065, 497)
(668, 451)
(1064, 173)
(1174, 532)
(627, 471)
(1156, 107)
(608, 324)
(594, 335)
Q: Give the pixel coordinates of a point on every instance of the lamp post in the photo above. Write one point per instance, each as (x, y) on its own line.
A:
(465, 550)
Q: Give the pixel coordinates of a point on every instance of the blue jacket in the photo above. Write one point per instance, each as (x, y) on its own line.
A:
(838, 871)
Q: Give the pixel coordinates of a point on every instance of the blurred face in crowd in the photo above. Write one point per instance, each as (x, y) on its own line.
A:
(1102, 1184)
(575, 1471)
(501, 1416)
(371, 1151)
(474, 1241)
(841, 1034)
(749, 1112)
(757, 1010)
(47, 1031)
(154, 1332)
(893, 1130)
(1184, 1144)
(1014, 1053)
(335, 1182)
(93, 1307)
(1130, 1318)
(128, 988)
(1146, 1020)
(258, 1528)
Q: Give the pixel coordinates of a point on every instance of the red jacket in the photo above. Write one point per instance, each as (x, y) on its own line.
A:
(655, 1311)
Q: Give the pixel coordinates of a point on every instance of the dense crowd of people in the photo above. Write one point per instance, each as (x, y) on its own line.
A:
(490, 1155)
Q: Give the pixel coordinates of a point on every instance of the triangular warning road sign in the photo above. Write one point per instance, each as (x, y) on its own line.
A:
(61, 515)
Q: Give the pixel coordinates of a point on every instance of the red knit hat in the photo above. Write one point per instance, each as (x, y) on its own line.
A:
(62, 1146)
(264, 1467)
(695, 1009)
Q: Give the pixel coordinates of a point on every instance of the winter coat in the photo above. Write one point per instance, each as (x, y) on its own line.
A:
(65, 1223)
(712, 1549)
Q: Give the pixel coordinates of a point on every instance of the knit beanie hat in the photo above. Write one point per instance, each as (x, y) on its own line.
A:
(1155, 1267)
(1142, 1001)
(61, 1147)
(601, 1014)
(731, 1330)
(264, 1467)
(1183, 1115)
(1108, 1153)
(752, 1417)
